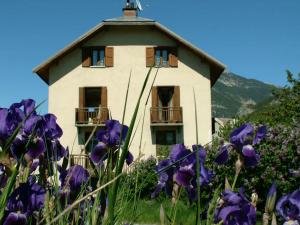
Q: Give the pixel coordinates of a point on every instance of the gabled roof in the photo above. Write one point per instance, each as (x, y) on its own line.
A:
(216, 67)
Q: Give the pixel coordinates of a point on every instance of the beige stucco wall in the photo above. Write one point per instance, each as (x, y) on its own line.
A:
(129, 43)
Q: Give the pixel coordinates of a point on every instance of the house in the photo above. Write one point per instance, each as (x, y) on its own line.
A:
(88, 81)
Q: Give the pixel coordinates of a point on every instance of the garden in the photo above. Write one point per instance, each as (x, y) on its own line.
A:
(249, 174)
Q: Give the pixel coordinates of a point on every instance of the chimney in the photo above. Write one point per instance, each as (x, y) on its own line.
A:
(130, 10)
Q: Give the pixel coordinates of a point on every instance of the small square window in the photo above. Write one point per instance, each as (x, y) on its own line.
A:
(98, 57)
(161, 57)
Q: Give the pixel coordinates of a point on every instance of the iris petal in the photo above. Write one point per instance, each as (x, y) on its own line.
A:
(251, 158)
(99, 153)
(223, 155)
(15, 219)
(261, 133)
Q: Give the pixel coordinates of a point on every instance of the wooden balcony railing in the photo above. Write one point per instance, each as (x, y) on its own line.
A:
(91, 115)
(82, 160)
(166, 114)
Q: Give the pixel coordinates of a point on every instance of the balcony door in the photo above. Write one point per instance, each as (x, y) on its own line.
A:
(166, 104)
(92, 105)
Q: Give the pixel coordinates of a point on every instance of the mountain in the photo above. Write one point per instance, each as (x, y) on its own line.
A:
(234, 95)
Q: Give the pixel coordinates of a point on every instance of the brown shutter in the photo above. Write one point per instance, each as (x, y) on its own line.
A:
(104, 110)
(177, 115)
(109, 56)
(154, 111)
(173, 59)
(149, 56)
(86, 57)
(81, 110)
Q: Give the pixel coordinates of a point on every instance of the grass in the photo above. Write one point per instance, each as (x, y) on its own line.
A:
(148, 212)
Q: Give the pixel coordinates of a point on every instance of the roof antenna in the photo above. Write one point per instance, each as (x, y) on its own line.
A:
(131, 5)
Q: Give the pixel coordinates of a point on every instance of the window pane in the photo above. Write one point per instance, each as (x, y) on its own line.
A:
(165, 57)
(157, 57)
(102, 57)
(95, 57)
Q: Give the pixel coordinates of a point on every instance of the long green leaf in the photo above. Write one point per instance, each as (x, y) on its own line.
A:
(119, 167)
(197, 165)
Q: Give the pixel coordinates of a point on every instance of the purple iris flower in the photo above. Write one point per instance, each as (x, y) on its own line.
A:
(165, 177)
(234, 208)
(181, 167)
(10, 118)
(205, 175)
(109, 141)
(36, 134)
(75, 177)
(27, 198)
(184, 175)
(288, 206)
(52, 129)
(112, 132)
(32, 147)
(99, 153)
(242, 140)
(260, 135)
(178, 152)
(15, 218)
(251, 158)
(72, 181)
(223, 155)
(55, 151)
(242, 135)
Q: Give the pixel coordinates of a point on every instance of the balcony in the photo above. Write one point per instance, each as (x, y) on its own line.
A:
(91, 116)
(166, 115)
(82, 160)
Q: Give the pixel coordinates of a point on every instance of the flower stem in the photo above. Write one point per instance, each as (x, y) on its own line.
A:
(235, 179)
(175, 206)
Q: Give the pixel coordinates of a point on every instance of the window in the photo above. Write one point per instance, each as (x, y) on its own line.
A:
(166, 137)
(161, 57)
(92, 97)
(98, 57)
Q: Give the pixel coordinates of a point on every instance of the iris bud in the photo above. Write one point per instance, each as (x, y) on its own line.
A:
(271, 199)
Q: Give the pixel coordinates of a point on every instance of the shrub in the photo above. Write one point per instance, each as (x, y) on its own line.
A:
(143, 174)
(279, 153)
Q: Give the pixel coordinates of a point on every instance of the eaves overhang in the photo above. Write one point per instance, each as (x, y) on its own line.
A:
(216, 67)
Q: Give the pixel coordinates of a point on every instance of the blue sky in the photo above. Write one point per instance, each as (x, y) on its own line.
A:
(257, 39)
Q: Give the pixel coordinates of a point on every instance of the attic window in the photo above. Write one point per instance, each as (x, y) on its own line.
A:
(161, 57)
(98, 57)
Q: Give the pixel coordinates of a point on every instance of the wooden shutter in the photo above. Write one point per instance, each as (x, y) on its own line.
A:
(150, 56)
(177, 117)
(154, 112)
(86, 57)
(109, 56)
(81, 110)
(173, 59)
(104, 110)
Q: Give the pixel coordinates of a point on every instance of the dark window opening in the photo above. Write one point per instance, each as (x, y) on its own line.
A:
(92, 97)
(213, 125)
(166, 137)
(165, 95)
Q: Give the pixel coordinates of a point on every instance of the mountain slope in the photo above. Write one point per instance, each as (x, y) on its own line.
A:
(234, 95)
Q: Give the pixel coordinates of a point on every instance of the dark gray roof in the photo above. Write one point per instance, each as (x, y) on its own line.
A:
(216, 67)
(128, 19)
